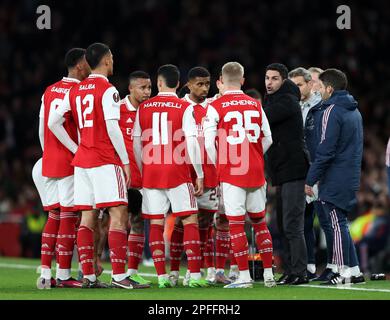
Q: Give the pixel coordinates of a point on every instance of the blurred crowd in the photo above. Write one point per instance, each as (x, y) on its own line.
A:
(146, 34)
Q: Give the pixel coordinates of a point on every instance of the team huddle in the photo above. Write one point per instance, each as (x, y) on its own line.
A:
(197, 158)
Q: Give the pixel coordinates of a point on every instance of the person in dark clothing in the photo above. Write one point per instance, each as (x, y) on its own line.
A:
(287, 164)
(337, 168)
(303, 79)
(312, 137)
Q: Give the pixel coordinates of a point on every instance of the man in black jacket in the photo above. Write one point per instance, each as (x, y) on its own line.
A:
(287, 164)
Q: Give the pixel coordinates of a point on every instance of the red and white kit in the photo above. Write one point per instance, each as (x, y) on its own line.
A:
(208, 201)
(127, 119)
(166, 126)
(56, 160)
(239, 124)
(164, 121)
(99, 177)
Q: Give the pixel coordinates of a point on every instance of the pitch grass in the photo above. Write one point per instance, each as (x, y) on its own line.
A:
(20, 284)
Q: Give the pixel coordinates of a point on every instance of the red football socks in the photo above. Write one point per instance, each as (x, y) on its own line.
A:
(117, 242)
(192, 247)
(263, 242)
(208, 254)
(239, 243)
(136, 247)
(157, 247)
(85, 249)
(66, 238)
(222, 248)
(203, 236)
(176, 248)
(49, 238)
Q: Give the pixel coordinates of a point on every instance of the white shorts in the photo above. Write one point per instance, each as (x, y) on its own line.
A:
(39, 181)
(209, 200)
(238, 201)
(99, 187)
(59, 192)
(156, 202)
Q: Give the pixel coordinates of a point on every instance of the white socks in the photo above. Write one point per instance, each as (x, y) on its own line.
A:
(90, 277)
(130, 272)
(46, 273)
(63, 274)
(268, 273)
(355, 271)
(245, 276)
(333, 267)
(196, 275)
(119, 277)
(175, 274)
(311, 268)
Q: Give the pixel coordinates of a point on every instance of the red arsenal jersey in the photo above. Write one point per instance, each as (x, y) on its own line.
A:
(56, 160)
(126, 123)
(238, 121)
(209, 170)
(161, 123)
(92, 102)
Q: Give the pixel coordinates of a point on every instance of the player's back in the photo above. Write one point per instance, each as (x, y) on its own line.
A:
(56, 160)
(240, 155)
(86, 103)
(161, 122)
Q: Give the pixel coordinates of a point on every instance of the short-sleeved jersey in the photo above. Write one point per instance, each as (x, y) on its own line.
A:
(209, 170)
(56, 160)
(162, 122)
(92, 102)
(126, 123)
(238, 121)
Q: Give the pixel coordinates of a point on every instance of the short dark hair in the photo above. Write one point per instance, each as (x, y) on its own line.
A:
(281, 68)
(170, 73)
(198, 72)
(95, 52)
(73, 57)
(254, 94)
(183, 91)
(334, 78)
(138, 75)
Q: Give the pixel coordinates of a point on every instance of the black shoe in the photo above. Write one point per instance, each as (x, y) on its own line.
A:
(299, 280)
(326, 275)
(337, 279)
(311, 276)
(358, 279)
(285, 279)
(88, 284)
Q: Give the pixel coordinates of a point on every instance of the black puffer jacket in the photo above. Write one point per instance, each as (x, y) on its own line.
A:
(287, 158)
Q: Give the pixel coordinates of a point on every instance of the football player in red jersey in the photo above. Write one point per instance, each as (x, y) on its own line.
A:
(243, 135)
(164, 127)
(199, 85)
(101, 165)
(57, 176)
(140, 89)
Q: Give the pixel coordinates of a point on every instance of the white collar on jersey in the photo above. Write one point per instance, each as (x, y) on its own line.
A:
(67, 79)
(95, 75)
(169, 94)
(233, 92)
(128, 104)
(188, 99)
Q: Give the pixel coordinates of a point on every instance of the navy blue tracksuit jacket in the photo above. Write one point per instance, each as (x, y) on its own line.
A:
(338, 157)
